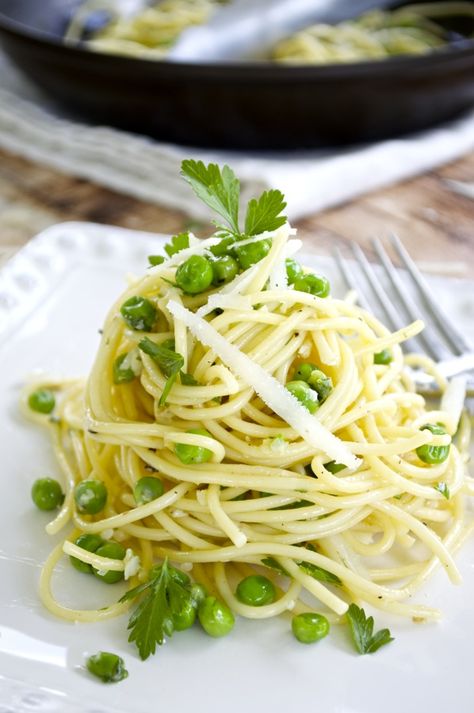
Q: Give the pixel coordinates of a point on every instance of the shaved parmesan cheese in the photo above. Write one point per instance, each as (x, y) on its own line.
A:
(274, 394)
(231, 301)
(131, 564)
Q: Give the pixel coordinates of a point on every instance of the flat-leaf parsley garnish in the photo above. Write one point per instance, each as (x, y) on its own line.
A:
(164, 597)
(362, 630)
(169, 361)
(220, 190)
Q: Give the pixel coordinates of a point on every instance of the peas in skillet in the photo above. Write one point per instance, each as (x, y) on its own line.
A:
(46, 494)
(195, 275)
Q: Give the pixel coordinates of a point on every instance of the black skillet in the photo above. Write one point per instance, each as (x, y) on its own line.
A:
(240, 106)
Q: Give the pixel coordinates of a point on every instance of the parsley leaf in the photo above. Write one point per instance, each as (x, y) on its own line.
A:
(152, 620)
(220, 190)
(322, 575)
(188, 379)
(443, 489)
(169, 361)
(312, 570)
(178, 242)
(362, 628)
(264, 214)
(272, 563)
(156, 260)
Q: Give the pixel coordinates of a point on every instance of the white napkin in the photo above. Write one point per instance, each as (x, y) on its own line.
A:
(31, 126)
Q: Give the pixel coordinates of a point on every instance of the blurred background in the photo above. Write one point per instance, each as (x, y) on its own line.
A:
(361, 112)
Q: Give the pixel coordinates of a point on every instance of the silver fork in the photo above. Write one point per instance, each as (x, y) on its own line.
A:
(440, 340)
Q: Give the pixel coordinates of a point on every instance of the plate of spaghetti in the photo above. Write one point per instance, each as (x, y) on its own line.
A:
(245, 473)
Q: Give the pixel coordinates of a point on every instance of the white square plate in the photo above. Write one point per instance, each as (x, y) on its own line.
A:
(53, 298)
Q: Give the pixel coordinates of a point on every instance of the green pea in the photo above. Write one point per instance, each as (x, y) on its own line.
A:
(294, 271)
(114, 551)
(321, 383)
(304, 371)
(256, 591)
(383, 357)
(139, 313)
(185, 617)
(215, 617)
(314, 284)
(195, 275)
(147, 489)
(224, 269)
(179, 576)
(249, 254)
(90, 496)
(47, 494)
(305, 395)
(122, 374)
(42, 401)
(334, 467)
(110, 668)
(193, 454)
(88, 542)
(433, 455)
(316, 378)
(198, 594)
(309, 627)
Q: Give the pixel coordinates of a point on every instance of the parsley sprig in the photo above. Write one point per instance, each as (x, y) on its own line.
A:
(169, 361)
(220, 190)
(164, 596)
(177, 243)
(443, 489)
(362, 630)
(322, 575)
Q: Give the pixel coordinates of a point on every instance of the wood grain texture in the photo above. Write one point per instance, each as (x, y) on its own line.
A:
(436, 224)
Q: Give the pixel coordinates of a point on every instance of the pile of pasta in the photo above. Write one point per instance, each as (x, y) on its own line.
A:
(149, 33)
(375, 35)
(269, 497)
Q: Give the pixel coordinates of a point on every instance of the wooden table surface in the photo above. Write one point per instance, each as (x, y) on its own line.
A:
(436, 224)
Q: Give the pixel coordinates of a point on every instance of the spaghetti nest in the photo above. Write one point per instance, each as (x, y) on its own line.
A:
(333, 502)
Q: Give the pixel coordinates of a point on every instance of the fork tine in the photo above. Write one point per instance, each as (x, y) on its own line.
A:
(458, 343)
(433, 347)
(377, 288)
(348, 279)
